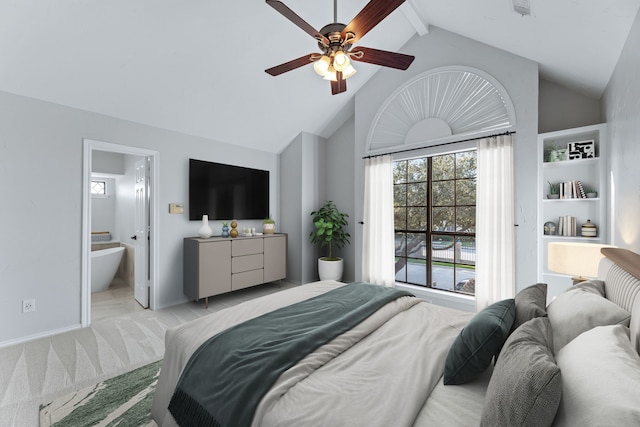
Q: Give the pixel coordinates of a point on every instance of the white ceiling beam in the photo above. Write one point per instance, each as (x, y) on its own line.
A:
(415, 17)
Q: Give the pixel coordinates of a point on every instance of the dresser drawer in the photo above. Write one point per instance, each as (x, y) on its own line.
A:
(246, 247)
(246, 279)
(246, 263)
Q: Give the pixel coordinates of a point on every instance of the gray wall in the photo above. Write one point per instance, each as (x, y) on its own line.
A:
(340, 188)
(621, 106)
(40, 250)
(519, 76)
(106, 162)
(302, 190)
(561, 108)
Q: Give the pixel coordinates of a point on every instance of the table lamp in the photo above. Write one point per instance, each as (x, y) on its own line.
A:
(577, 259)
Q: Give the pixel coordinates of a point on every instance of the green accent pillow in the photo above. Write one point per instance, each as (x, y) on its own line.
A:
(480, 340)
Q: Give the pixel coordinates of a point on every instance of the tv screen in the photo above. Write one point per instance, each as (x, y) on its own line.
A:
(227, 192)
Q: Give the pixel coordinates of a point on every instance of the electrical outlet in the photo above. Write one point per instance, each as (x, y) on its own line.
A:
(28, 305)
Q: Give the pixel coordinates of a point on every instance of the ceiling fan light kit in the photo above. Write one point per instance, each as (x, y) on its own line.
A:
(336, 40)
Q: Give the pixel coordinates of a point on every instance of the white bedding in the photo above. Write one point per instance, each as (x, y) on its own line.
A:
(384, 376)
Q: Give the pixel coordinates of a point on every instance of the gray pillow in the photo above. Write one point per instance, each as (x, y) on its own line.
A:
(594, 286)
(531, 302)
(478, 342)
(526, 385)
(572, 313)
(600, 379)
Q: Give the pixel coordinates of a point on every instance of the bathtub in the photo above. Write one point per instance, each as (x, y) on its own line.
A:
(104, 265)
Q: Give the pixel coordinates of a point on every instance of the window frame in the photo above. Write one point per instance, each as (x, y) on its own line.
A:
(99, 195)
(428, 232)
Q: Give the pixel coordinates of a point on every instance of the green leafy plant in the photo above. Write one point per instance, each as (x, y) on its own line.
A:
(225, 224)
(554, 188)
(268, 220)
(329, 225)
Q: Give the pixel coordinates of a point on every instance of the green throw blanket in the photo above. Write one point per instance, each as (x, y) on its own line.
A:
(226, 378)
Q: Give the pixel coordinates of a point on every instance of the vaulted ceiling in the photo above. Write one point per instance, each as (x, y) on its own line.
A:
(197, 66)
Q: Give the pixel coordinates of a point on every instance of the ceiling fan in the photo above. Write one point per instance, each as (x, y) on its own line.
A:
(335, 40)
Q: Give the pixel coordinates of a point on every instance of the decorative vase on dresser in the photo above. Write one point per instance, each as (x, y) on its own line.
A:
(205, 230)
(234, 229)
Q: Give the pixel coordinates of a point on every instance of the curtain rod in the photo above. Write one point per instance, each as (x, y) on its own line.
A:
(440, 145)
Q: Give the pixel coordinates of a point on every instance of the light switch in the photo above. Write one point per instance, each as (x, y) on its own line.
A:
(176, 208)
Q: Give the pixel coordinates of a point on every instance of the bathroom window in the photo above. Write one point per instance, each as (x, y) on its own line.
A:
(99, 188)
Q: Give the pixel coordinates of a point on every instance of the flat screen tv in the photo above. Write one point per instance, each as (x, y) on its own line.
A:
(227, 192)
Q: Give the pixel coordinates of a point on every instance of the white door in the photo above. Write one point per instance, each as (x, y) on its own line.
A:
(141, 238)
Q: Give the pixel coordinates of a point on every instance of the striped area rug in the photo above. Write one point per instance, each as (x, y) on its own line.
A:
(123, 400)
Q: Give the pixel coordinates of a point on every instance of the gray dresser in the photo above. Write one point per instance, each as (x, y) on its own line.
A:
(222, 264)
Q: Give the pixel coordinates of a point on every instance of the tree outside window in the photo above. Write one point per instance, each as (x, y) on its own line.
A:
(435, 221)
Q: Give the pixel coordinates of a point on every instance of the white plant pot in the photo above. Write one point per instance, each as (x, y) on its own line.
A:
(268, 228)
(330, 270)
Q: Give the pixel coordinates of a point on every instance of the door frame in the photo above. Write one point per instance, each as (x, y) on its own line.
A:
(89, 146)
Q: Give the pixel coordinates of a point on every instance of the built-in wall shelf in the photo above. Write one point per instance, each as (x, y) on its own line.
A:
(592, 174)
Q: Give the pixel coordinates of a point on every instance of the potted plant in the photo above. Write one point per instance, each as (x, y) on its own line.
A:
(329, 225)
(268, 225)
(554, 190)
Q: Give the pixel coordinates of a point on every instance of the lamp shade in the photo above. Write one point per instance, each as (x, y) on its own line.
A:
(575, 258)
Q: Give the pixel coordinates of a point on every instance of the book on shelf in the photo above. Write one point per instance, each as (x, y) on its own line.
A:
(572, 190)
(567, 226)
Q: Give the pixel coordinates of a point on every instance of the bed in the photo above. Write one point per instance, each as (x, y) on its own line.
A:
(574, 361)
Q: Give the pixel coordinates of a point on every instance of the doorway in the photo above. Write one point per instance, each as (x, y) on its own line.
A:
(144, 237)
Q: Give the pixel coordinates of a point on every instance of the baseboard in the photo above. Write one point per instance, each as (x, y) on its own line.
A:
(38, 336)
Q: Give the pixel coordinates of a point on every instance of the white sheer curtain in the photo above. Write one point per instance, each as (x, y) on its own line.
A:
(495, 221)
(378, 249)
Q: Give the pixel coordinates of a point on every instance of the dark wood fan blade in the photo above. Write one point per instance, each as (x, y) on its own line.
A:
(293, 17)
(338, 86)
(291, 65)
(382, 57)
(374, 12)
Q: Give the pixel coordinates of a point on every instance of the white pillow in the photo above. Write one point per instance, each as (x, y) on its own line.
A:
(577, 311)
(600, 379)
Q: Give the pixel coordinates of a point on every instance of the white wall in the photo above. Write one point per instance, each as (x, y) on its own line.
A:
(621, 106)
(519, 76)
(561, 108)
(41, 147)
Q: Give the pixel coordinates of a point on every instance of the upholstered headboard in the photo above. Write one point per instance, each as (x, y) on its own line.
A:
(620, 271)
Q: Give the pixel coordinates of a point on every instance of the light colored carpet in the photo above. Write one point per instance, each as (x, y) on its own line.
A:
(42, 370)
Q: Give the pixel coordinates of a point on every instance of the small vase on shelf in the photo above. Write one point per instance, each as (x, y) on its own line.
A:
(205, 230)
(225, 230)
(589, 229)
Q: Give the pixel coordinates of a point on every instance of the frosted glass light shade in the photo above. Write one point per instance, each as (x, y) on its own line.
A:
(341, 61)
(321, 66)
(331, 75)
(348, 72)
